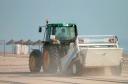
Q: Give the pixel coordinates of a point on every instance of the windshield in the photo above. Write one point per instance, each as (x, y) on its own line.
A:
(61, 33)
(65, 33)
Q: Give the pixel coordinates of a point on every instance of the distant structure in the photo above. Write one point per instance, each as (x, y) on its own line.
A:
(21, 49)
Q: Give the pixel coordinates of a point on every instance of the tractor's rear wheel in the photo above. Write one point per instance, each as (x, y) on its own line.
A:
(46, 60)
(35, 61)
(49, 62)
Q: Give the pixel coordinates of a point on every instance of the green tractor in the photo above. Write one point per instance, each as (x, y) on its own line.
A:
(55, 46)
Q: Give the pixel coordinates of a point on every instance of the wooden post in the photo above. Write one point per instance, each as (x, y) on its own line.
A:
(4, 47)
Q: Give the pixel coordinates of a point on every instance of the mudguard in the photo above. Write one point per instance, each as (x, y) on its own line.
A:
(37, 52)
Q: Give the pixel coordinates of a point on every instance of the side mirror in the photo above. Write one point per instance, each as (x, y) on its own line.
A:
(40, 29)
(52, 37)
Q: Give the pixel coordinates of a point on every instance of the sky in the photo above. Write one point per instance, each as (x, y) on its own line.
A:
(20, 19)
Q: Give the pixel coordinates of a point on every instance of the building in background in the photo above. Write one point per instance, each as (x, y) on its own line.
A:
(21, 49)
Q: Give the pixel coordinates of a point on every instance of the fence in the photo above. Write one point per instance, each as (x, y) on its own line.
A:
(10, 50)
(2, 47)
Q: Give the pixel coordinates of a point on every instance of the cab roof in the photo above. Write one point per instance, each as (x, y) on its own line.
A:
(60, 25)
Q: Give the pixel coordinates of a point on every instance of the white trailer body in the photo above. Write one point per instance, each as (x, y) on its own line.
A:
(100, 50)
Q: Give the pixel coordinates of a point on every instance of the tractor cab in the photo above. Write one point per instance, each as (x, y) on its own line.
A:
(63, 33)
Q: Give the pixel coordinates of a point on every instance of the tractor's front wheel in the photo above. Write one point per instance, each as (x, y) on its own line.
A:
(35, 61)
(76, 68)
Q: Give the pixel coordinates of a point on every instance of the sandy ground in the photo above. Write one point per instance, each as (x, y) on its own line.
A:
(14, 70)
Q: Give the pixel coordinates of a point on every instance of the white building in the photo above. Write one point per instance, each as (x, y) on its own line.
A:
(21, 49)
